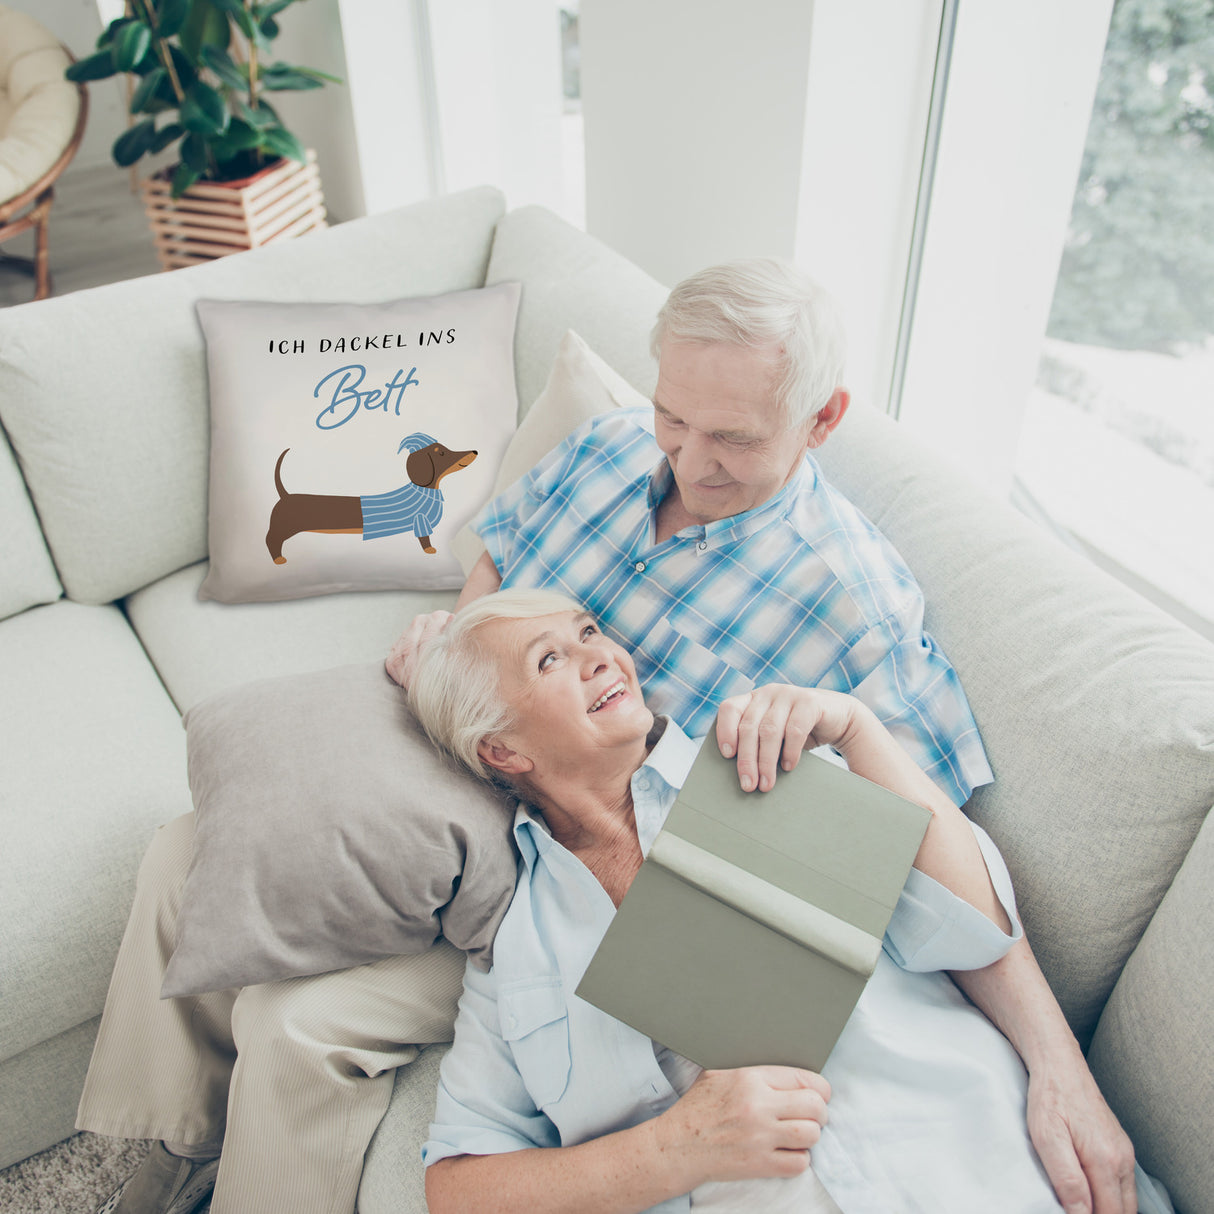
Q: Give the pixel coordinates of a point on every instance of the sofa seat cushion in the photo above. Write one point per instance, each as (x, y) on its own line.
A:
(202, 647)
(567, 279)
(1096, 709)
(93, 760)
(27, 574)
(113, 432)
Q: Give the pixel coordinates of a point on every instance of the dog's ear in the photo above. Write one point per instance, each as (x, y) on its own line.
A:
(421, 469)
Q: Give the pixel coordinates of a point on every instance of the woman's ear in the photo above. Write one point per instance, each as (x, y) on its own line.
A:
(494, 753)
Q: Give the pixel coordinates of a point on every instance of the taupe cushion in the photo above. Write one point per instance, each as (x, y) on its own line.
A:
(1095, 708)
(329, 833)
(103, 392)
(1153, 1054)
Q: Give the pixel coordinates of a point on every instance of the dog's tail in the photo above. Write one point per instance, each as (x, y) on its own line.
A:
(278, 479)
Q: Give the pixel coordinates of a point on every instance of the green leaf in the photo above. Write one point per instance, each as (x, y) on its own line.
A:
(205, 26)
(171, 16)
(95, 67)
(166, 135)
(203, 111)
(268, 28)
(195, 154)
(186, 71)
(107, 36)
(183, 178)
(261, 118)
(144, 97)
(279, 77)
(132, 42)
(281, 142)
(272, 9)
(131, 144)
(241, 137)
(225, 67)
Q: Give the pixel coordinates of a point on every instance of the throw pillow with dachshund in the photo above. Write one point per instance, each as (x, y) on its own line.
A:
(351, 442)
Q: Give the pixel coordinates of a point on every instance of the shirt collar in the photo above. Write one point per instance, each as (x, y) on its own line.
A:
(737, 526)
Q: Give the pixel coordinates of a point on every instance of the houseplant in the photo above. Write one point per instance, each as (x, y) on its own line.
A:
(201, 71)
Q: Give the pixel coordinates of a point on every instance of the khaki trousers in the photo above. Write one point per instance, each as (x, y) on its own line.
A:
(293, 1076)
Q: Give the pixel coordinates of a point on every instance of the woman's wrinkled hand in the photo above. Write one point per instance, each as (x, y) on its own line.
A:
(401, 661)
(768, 728)
(750, 1122)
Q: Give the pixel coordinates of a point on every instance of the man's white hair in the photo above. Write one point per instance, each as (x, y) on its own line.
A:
(763, 303)
(454, 691)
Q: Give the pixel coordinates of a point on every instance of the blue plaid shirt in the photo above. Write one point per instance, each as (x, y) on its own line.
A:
(802, 589)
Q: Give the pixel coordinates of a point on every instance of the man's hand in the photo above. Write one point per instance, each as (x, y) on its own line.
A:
(400, 662)
(1087, 1155)
(770, 727)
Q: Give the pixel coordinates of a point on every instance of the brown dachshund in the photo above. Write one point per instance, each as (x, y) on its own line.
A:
(416, 506)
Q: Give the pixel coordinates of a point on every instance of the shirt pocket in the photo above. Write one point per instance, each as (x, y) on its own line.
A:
(535, 1024)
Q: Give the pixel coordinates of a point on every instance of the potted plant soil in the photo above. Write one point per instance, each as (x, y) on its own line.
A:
(201, 72)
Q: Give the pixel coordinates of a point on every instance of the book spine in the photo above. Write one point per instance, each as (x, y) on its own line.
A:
(802, 922)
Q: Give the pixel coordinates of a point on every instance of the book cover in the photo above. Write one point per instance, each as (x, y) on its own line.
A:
(755, 921)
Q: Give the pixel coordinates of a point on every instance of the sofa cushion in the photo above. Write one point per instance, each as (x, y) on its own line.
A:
(387, 421)
(111, 425)
(93, 760)
(1097, 711)
(572, 281)
(200, 648)
(1152, 1054)
(27, 574)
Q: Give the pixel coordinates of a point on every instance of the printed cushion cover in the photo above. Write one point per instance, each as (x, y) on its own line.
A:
(350, 442)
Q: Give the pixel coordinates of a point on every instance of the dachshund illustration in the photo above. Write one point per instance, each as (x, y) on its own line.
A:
(416, 506)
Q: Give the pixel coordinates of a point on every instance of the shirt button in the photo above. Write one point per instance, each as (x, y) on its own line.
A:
(702, 545)
(639, 566)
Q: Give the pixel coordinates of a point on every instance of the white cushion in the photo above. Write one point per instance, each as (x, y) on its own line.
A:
(27, 575)
(93, 760)
(111, 423)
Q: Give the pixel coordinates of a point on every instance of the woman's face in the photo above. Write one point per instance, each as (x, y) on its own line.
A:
(573, 692)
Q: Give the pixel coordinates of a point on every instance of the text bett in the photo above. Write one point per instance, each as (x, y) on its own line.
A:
(372, 341)
(347, 397)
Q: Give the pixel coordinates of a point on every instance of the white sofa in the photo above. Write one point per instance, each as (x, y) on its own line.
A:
(1097, 711)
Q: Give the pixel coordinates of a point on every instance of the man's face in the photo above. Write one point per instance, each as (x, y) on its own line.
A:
(716, 419)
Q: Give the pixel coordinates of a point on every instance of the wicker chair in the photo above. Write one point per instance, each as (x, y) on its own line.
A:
(42, 118)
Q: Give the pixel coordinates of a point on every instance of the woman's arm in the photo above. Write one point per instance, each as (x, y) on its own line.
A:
(730, 1125)
(769, 727)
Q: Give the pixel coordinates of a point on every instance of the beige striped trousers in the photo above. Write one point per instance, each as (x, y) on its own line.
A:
(294, 1076)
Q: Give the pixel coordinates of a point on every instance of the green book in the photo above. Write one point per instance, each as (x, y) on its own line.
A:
(757, 918)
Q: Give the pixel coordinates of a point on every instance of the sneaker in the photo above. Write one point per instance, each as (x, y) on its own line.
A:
(164, 1184)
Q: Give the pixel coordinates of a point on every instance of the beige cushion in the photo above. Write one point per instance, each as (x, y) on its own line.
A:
(38, 107)
(571, 281)
(92, 761)
(27, 575)
(1153, 1054)
(579, 386)
(111, 423)
(1096, 709)
(329, 832)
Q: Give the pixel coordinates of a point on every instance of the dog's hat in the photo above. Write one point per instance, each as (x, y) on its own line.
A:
(415, 442)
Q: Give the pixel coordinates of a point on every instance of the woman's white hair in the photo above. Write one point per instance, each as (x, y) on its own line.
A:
(763, 303)
(454, 691)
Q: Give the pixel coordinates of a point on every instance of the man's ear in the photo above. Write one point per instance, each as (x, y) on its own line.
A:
(495, 754)
(829, 416)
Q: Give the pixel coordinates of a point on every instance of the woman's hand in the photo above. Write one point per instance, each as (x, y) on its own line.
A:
(401, 661)
(755, 1121)
(770, 727)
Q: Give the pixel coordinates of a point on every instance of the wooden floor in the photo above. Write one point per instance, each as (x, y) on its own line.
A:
(98, 234)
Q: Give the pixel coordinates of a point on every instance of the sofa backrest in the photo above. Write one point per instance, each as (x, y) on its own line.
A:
(27, 574)
(119, 472)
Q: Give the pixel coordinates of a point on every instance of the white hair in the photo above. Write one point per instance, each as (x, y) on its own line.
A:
(454, 691)
(763, 303)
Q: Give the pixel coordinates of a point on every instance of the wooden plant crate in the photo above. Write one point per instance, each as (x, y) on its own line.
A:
(215, 218)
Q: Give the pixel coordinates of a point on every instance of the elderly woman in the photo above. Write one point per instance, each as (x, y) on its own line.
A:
(547, 1103)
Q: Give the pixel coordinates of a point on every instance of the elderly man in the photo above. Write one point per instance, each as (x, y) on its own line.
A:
(705, 539)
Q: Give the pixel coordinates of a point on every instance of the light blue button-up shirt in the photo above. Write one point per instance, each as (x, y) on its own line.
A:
(928, 1104)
